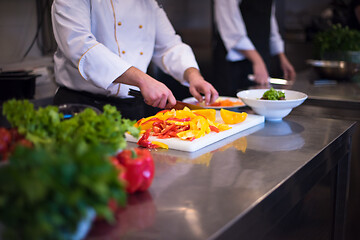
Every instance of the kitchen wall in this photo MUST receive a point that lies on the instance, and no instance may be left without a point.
(18, 21)
(18, 28)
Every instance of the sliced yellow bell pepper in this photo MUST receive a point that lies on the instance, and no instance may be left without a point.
(222, 127)
(160, 144)
(178, 122)
(187, 135)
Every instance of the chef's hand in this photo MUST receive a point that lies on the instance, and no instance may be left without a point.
(288, 69)
(155, 93)
(261, 75)
(199, 86)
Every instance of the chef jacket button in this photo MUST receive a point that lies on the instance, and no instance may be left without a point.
(123, 52)
(141, 53)
(140, 26)
(119, 23)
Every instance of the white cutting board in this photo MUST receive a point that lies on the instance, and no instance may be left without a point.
(191, 146)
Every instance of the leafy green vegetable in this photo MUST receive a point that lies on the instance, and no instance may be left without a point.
(45, 191)
(337, 38)
(272, 94)
(47, 125)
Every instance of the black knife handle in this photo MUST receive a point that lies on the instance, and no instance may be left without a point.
(135, 93)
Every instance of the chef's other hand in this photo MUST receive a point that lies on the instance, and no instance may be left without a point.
(288, 69)
(199, 86)
(261, 75)
(155, 93)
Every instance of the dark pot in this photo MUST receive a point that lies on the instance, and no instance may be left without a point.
(17, 84)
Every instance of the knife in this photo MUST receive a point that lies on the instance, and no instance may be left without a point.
(278, 81)
(178, 106)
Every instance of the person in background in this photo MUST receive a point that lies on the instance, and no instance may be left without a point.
(105, 47)
(246, 35)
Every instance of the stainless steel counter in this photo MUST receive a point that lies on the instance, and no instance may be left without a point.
(245, 187)
(328, 93)
(337, 100)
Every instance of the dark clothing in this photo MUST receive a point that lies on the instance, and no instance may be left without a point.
(256, 15)
(353, 22)
(130, 108)
(231, 77)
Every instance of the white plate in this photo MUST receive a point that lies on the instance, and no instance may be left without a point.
(193, 100)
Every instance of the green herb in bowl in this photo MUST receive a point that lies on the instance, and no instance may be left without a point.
(273, 94)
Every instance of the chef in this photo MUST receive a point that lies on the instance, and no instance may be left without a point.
(247, 35)
(105, 47)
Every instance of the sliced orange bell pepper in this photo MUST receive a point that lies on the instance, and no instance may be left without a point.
(207, 113)
(230, 117)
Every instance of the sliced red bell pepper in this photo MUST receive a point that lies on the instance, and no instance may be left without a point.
(139, 168)
(168, 128)
(151, 120)
(178, 119)
(214, 129)
(144, 142)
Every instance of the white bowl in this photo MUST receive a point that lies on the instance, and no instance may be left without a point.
(272, 110)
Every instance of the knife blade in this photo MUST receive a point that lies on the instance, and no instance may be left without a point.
(178, 106)
(278, 81)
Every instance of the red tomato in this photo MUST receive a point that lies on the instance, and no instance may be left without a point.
(5, 135)
(4, 148)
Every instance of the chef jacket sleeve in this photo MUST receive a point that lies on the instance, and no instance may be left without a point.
(276, 42)
(72, 31)
(170, 53)
(232, 28)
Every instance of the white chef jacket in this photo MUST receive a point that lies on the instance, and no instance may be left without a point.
(232, 30)
(98, 40)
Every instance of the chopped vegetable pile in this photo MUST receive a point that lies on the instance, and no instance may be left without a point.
(184, 124)
(273, 94)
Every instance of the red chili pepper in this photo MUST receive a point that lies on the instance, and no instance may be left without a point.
(139, 168)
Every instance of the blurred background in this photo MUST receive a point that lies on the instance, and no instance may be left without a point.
(27, 41)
